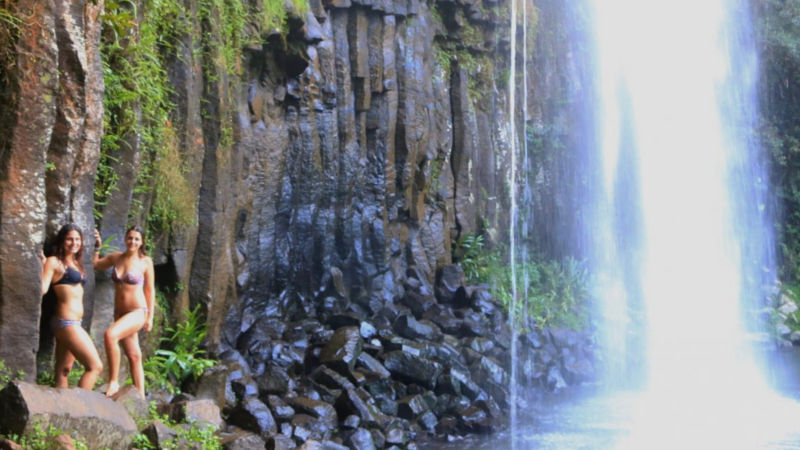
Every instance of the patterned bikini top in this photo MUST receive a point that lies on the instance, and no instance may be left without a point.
(127, 277)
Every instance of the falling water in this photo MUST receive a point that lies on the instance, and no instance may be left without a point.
(513, 222)
(680, 229)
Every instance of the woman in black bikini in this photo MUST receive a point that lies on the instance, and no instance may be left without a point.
(134, 297)
(72, 341)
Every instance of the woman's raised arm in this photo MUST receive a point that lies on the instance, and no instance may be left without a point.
(102, 263)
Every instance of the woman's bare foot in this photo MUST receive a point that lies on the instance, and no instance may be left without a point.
(113, 387)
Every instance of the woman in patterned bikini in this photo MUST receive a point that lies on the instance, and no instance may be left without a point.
(72, 341)
(134, 297)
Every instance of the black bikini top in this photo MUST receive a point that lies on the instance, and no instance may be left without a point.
(71, 276)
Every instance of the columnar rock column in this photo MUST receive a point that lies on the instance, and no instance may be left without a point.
(26, 128)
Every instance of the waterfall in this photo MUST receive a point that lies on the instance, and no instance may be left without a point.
(513, 385)
(680, 220)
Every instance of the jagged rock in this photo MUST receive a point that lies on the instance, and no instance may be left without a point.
(137, 407)
(279, 442)
(555, 381)
(486, 369)
(415, 369)
(341, 352)
(443, 316)
(483, 302)
(242, 440)
(443, 353)
(480, 345)
(159, 434)
(350, 403)
(447, 425)
(90, 416)
(408, 327)
(274, 380)
(215, 384)
(418, 303)
(281, 410)
(411, 407)
(312, 29)
(447, 384)
(491, 407)
(448, 279)
(305, 428)
(383, 393)
(312, 444)
(475, 419)
(373, 365)
(234, 362)
(468, 387)
(396, 434)
(352, 421)
(331, 378)
(428, 421)
(244, 387)
(322, 411)
(473, 325)
(253, 415)
(203, 411)
(360, 439)
(367, 330)
(450, 404)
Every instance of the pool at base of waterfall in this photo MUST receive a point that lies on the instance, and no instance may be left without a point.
(593, 418)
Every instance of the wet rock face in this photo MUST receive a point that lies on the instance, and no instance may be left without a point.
(52, 114)
(347, 180)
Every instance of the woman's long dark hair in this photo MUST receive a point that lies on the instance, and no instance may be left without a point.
(58, 245)
(138, 229)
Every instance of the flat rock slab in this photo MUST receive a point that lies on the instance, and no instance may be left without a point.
(85, 415)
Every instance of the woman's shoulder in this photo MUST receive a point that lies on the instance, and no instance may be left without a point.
(52, 261)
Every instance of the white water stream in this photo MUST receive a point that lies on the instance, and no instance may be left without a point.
(679, 230)
(679, 77)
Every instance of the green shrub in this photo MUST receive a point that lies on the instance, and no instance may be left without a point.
(181, 358)
(549, 293)
(195, 432)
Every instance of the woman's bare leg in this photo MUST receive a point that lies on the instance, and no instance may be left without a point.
(75, 343)
(64, 362)
(134, 353)
(123, 327)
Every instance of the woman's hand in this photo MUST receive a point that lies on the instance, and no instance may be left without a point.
(148, 324)
(97, 241)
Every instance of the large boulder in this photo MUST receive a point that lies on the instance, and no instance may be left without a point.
(89, 416)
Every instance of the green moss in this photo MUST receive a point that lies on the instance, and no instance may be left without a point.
(444, 58)
(135, 77)
(9, 32)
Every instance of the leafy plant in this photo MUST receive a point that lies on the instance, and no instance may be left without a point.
(182, 358)
(549, 293)
(7, 374)
(195, 432)
(43, 439)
